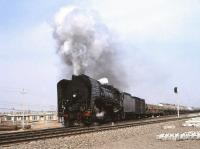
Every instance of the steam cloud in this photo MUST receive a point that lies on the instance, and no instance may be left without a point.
(86, 46)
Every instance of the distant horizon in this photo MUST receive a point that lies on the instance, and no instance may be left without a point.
(21, 111)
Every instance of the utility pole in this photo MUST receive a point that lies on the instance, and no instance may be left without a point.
(23, 92)
(13, 116)
(176, 93)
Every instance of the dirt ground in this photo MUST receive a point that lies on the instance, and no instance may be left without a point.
(145, 138)
(44, 125)
(39, 125)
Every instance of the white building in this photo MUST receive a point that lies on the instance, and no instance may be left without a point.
(29, 117)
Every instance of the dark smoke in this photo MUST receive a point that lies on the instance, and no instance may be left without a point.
(86, 46)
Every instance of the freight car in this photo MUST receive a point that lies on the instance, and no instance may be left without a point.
(84, 100)
(154, 110)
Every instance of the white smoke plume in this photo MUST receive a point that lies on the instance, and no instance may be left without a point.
(86, 46)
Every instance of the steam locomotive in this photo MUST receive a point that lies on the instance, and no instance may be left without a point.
(85, 100)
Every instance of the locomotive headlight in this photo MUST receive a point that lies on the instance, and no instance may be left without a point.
(74, 95)
(63, 107)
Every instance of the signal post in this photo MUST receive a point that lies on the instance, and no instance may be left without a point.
(176, 93)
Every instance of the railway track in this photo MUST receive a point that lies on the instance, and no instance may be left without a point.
(17, 137)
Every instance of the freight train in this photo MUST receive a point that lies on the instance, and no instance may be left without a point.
(84, 100)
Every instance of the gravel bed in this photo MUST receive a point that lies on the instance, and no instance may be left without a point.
(140, 137)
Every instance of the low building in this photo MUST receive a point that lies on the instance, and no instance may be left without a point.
(28, 117)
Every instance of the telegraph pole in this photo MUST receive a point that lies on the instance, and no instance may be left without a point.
(23, 92)
(176, 93)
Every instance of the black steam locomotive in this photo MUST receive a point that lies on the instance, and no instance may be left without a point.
(84, 100)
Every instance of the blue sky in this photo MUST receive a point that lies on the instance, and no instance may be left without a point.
(159, 46)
